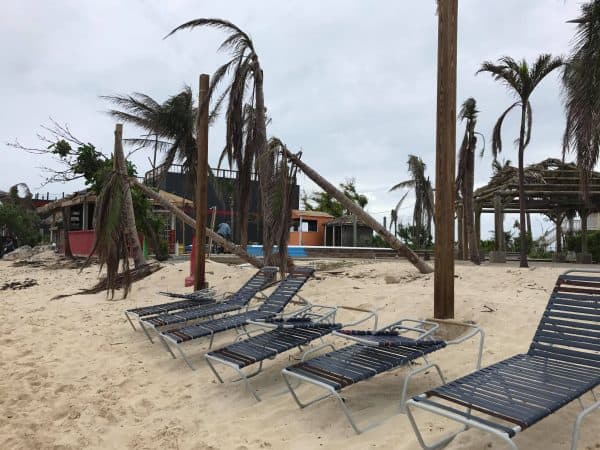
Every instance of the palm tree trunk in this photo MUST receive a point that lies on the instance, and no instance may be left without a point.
(265, 168)
(229, 246)
(472, 240)
(366, 218)
(121, 167)
(584, 242)
(522, 203)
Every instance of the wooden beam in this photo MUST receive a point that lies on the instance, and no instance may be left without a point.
(445, 150)
(201, 184)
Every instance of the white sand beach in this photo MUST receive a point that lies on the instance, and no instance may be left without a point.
(73, 374)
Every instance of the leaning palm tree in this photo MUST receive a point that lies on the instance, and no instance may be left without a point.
(245, 87)
(360, 213)
(116, 232)
(423, 209)
(521, 80)
(581, 78)
(465, 178)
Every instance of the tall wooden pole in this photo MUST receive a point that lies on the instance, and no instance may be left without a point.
(201, 184)
(445, 149)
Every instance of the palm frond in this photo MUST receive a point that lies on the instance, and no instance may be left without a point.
(497, 132)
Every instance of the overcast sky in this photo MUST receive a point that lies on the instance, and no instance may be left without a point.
(351, 83)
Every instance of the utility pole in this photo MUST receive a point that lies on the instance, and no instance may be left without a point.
(445, 149)
(201, 184)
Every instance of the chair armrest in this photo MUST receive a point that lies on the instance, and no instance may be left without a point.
(475, 329)
(419, 328)
(370, 314)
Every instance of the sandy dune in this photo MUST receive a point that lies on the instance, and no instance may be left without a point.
(73, 374)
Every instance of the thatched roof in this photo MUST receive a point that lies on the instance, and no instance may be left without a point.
(550, 185)
(346, 220)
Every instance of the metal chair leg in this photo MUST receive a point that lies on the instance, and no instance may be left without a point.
(580, 417)
(141, 322)
(130, 321)
(411, 374)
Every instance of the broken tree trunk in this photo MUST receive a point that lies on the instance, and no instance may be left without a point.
(365, 217)
(227, 245)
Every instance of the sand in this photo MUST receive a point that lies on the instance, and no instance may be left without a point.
(73, 374)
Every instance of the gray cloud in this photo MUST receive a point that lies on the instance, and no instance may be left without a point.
(352, 83)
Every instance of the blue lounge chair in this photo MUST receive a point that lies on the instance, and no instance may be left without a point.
(562, 364)
(372, 353)
(276, 336)
(200, 304)
(272, 306)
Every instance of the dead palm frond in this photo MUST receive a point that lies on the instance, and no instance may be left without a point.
(112, 243)
(581, 78)
(244, 87)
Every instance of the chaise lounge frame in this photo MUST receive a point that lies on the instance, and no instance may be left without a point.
(318, 313)
(565, 363)
(270, 311)
(424, 329)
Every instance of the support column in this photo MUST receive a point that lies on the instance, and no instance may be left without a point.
(445, 158)
(354, 231)
(461, 231)
(498, 256)
(478, 223)
(201, 184)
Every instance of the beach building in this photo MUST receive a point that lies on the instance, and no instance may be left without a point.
(308, 227)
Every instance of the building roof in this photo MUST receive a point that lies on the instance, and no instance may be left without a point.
(551, 186)
(347, 220)
(296, 213)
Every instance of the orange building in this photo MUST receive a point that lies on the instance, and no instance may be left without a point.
(308, 227)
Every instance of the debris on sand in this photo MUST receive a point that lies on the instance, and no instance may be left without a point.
(18, 285)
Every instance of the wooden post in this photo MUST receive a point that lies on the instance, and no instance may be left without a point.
(478, 227)
(445, 150)
(559, 221)
(498, 225)
(354, 231)
(213, 217)
(461, 230)
(201, 184)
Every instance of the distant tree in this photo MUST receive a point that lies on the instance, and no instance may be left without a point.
(423, 209)
(465, 178)
(581, 78)
(324, 202)
(521, 80)
(18, 218)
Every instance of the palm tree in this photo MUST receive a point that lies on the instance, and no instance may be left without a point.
(465, 178)
(360, 213)
(171, 126)
(245, 87)
(581, 77)
(423, 209)
(116, 232)
(521, 80)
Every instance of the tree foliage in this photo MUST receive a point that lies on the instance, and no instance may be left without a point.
(324, 202)
(18, 218)
(581, 78)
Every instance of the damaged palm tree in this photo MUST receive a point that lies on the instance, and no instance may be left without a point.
(245, 88)
(362, 215)
(465, 179)
(116, 233)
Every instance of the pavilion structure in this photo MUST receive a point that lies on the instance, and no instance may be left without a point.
(552, 188)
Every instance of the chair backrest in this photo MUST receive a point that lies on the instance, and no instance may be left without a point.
(287, 289)
(570, 327)
(260, 280)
